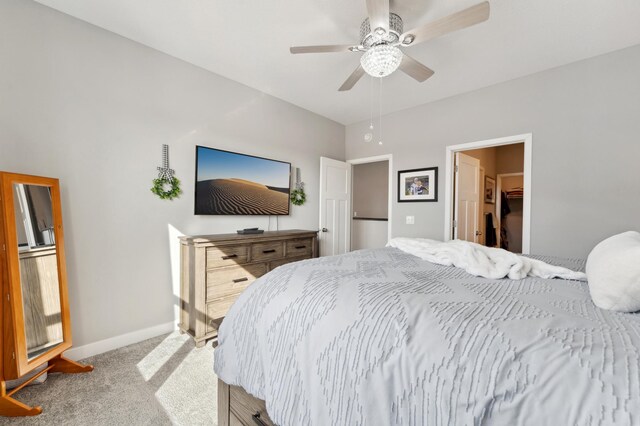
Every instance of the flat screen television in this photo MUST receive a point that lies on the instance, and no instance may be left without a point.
(228, 183)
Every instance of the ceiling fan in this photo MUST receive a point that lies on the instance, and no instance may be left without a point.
(381, 36)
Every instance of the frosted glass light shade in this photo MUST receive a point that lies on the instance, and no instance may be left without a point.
(381, 60)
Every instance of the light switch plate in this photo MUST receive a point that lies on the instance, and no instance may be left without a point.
(410, 220)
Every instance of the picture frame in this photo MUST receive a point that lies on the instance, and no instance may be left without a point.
(418, 185)
(489, 190)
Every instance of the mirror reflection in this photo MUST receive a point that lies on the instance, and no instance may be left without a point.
(38, 268)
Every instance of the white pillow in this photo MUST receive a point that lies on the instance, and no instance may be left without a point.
(613, 271)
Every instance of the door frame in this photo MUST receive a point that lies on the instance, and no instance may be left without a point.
(527, 139)
(499, 199)
(375, 159)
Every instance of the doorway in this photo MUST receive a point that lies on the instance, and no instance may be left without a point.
(510, 210)
(371, 202)
(342, 227)
(488, 193)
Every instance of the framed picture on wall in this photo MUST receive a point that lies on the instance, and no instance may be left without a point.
(489, 190)
(418, 185)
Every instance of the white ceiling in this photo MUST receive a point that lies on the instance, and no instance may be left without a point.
(248, 41)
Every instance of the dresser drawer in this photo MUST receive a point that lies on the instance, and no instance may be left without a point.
(244, 407)
(218, 309)
(299, 247)
(267, 251)
(226, 256)
(230, 280)
(234, 421)
(216, 269)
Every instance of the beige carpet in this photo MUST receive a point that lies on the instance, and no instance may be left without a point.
(161, 381)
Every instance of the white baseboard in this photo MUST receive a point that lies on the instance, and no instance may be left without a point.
(106, 345)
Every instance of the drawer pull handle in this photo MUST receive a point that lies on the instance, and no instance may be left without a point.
(231, 256)
(301, 247)
(239, 280)
(256, 418)
(269, 251)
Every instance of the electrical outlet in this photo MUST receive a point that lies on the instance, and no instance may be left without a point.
(411, 220)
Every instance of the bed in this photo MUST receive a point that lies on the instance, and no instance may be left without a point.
(381, 337)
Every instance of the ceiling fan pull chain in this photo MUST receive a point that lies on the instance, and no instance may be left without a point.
(370, 103)
(380, 110)
(368, 137)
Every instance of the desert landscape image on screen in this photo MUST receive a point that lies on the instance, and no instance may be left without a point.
(235, 184)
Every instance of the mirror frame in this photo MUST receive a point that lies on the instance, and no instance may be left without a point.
(13, 321)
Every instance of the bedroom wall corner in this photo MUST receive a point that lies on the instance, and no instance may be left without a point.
(93, 109)
(583, 120)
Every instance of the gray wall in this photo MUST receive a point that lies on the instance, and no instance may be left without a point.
(371, 189)
(370, 185)
(585, 126)
(94, 109)
(368, 234)
(510, 158)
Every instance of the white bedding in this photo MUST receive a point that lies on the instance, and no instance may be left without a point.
(381, 337)
(482, 261)
(613, 267)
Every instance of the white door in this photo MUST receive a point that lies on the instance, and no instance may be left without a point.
(467, 200)
(335, 199)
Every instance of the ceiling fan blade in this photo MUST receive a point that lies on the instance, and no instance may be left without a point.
(353, 79)
(415, 69)
(378, 11)
(457, 21)
(323, 49)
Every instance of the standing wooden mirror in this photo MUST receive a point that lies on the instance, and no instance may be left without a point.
(36, 327)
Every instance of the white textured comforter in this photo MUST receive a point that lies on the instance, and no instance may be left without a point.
(381, 337)
(483, 261)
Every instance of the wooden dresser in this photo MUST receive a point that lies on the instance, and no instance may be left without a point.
(215, 269)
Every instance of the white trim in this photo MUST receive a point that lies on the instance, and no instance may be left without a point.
(527, 139)
(106, 345)
(376, 159)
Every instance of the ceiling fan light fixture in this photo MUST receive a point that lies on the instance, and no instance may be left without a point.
(370, 37)
(381, 60)
(408, 39)
(381, 43)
